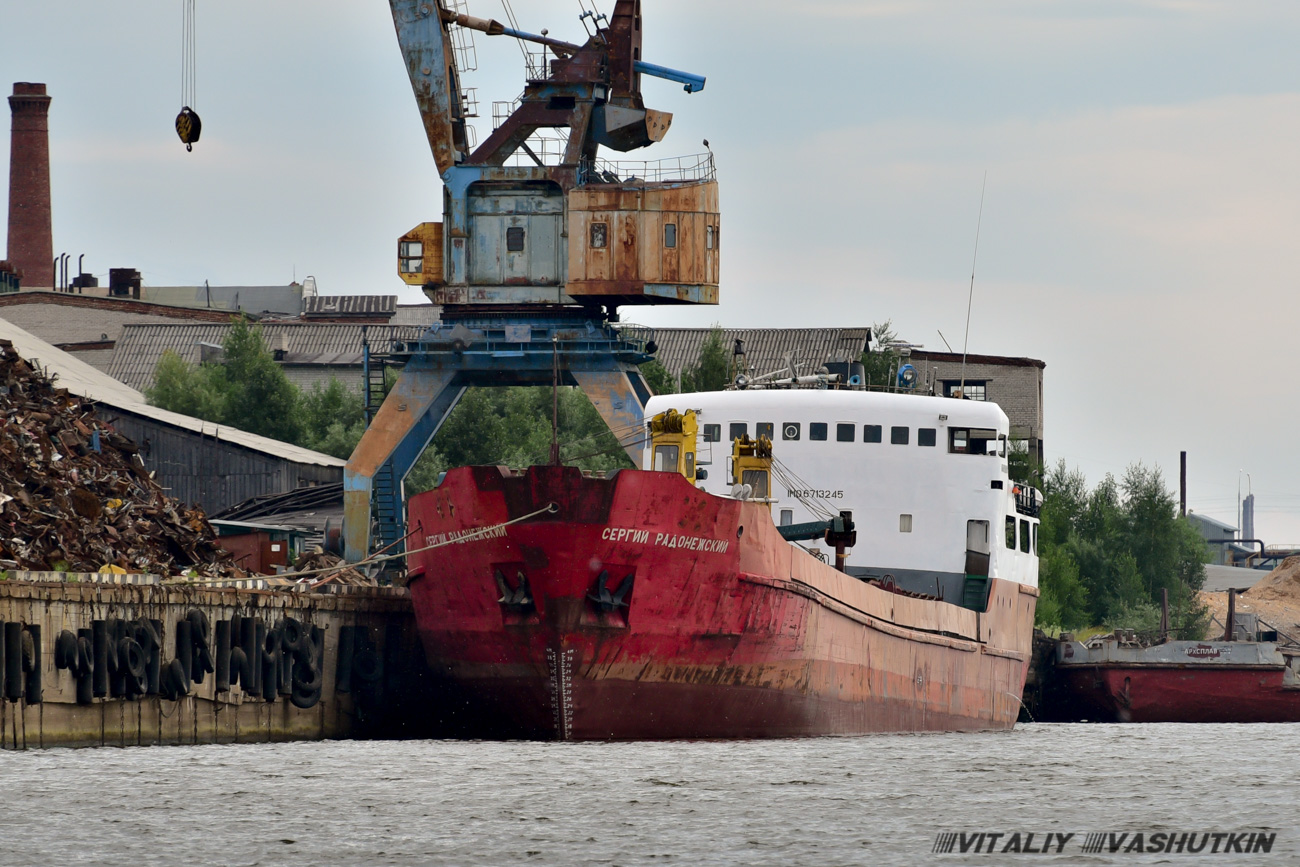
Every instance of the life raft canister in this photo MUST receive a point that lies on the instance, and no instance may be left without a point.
(188, 127)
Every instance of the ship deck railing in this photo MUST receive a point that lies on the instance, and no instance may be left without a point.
(1027, 502)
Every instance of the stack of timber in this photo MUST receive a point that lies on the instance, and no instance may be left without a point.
(321, 568)
(75, 496)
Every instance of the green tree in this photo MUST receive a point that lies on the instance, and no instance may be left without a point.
(246, 390)
(1107, 556)
(185, 388)
(879, 362)
(658, 378)
(712, 370)
(333, 419)
(1022, 466)
(259, 397)
(1063, 598)
(512, 426)
(427, 470)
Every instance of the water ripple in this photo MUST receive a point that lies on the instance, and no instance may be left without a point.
(877, 800)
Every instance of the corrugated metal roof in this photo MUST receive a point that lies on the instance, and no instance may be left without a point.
(764, 347)
(349, 305)
(72, 373)
(139, 348)
(416, 314)
(82, 379)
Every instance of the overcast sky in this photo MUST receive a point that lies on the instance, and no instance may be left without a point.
(1140, 224)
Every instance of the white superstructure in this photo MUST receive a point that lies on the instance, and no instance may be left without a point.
(925, 477)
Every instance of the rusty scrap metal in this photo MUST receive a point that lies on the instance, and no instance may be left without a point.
(75, 495)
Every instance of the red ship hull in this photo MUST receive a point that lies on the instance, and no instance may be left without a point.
(712, 626)
(1186, 694)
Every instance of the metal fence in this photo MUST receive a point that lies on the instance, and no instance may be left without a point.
(695, 167)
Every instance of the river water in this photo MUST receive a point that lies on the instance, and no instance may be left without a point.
(826, 801)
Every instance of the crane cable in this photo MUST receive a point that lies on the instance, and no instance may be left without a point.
(820, 508)
(188, 125)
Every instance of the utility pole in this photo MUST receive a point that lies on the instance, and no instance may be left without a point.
(1182, 484)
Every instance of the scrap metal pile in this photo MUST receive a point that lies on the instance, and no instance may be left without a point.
(74, 493)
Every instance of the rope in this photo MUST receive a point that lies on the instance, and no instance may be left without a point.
(549, 508)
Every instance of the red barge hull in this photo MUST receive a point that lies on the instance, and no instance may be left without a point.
(1178, 681)
(710, 624)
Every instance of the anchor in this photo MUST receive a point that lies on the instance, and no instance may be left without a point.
(604, 599)
(518, 597)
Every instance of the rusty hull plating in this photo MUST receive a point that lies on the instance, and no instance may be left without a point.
(645, 608)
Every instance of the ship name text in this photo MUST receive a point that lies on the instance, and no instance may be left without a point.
(665, 540)
(460, 537)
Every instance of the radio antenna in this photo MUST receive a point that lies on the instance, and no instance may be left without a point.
(971, 297)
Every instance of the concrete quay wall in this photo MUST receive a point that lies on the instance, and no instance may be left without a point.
(376, 696)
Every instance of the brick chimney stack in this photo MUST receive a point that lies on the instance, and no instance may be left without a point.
(31, 241)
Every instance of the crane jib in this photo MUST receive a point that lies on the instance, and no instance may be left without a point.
(693, 83)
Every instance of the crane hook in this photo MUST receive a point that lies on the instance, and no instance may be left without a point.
(188, 127)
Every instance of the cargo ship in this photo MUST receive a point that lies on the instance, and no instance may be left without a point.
(788, 562)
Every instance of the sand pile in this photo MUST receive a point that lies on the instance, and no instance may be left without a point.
(1275, 598)
(1282, 584)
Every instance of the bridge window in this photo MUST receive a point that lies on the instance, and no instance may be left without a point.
(844, 433)
(787, 517)
(757, 481)
(411, 256)
(708, 237)
(739, 429)
(974, 389)
(904, 523)
(599, 235)
(899, 436)
(790, 430)
(764, 429)
(1011, 533)
(712, 433)
(967, 441)
(665, 459)
(515, 239)
(1024, 535)
(670, 234)
(871, 433)
(925, 436)
(817, 431)
(1035, 539)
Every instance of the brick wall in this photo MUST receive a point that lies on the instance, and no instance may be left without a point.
(1015, 384)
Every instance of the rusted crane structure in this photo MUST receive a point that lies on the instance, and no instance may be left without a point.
(536, 250)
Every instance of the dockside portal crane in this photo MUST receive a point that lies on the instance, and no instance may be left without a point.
(532, 261)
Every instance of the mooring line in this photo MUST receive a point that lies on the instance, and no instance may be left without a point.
(549, 508)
